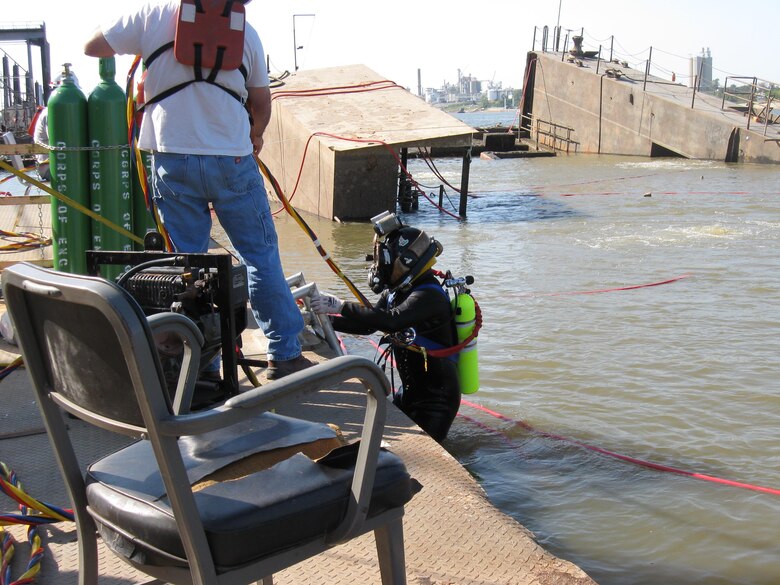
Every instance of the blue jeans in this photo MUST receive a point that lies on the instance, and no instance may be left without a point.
(183, 185)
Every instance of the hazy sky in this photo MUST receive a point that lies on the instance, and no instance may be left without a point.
(487, 40)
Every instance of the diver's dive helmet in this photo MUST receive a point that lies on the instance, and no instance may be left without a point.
(404, 255)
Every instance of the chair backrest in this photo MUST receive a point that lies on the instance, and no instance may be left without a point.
(87, 346)
(89, 349)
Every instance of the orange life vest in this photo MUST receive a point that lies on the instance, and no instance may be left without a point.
(209, 34)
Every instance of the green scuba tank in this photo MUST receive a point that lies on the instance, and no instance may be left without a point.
(464, 308)
(110, 169)
(67, 112)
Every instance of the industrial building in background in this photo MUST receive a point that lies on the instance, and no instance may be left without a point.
(21, 94)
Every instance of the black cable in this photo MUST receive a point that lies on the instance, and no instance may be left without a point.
(173, 260)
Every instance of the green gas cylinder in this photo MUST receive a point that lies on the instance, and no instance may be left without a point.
(110, 179)
(67, 112)
(465, 309)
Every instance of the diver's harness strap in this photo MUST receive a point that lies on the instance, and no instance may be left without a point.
(428, 347)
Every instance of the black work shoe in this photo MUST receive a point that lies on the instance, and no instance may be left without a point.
(280, 369)
(210, 376)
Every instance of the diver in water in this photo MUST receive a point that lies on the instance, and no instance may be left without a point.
(414, 311)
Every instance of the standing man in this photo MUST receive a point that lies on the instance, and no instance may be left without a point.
(198, 127)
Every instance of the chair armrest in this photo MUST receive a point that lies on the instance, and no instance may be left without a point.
(192, 340)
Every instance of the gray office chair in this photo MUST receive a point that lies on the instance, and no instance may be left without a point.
(90, 351)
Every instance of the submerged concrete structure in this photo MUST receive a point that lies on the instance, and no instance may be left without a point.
(337, 135)
(590, 106)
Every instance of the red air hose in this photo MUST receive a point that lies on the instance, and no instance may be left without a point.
(634, 460)
(606, 290)
(649, 464)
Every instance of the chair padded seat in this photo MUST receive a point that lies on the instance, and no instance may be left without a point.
(295, 501)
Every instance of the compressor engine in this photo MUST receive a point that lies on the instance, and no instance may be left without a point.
(193, 293)
(206, 288)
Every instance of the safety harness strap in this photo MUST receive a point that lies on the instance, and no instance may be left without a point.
(197, 66)
(228, 8)
(429, 285)
(217, 65)
(220, 56)
(151, 58)
(428, 346)
(425, 346)
(211, 79)
(432, 286)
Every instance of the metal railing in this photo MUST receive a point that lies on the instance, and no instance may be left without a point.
(17, 118)
(321, 324)
(555, 136)
(22, 25)
(18, 100)
(753, 97)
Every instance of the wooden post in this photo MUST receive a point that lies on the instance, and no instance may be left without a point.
(464, 182)
(750, 112)
(402, 173)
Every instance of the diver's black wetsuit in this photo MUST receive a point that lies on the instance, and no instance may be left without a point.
(430, 396)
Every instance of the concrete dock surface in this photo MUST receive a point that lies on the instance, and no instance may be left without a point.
(453, 534)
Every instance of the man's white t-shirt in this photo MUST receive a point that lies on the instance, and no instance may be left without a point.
(201, 118)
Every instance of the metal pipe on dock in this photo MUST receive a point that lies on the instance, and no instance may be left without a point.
(17, 86)
(6, 82)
